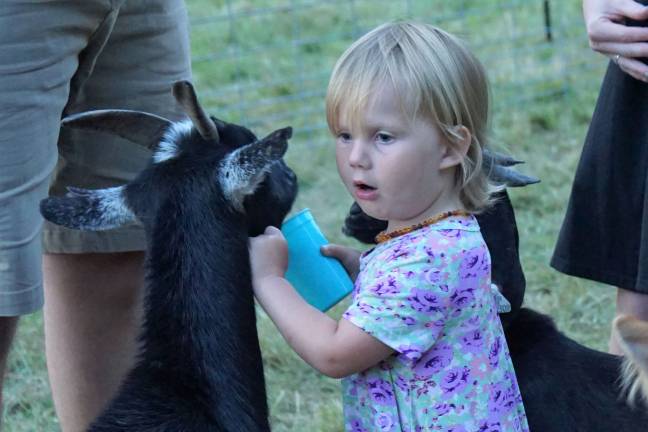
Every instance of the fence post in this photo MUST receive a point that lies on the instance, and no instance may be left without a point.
(547, 20)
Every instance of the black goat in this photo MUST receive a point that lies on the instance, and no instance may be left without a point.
(208, 187)
(565, 386)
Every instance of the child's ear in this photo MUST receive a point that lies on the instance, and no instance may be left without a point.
(456, 150)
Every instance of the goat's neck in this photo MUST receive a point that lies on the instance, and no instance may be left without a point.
(200, 318)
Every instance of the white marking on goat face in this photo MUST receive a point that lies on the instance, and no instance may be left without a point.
(168, 146)
(241, 172)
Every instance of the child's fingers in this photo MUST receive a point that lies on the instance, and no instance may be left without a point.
(337, 250)
(269, 238)
(271, 230)
(332, 250)
(347, 256)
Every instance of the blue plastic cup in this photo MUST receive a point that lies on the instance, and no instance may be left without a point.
(320, 280)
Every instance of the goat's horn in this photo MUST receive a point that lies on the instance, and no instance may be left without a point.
(136, 126)
(500, 159)
(186, 97)
(497, 166)
(509, 177)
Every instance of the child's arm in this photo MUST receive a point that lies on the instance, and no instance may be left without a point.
(336, 349)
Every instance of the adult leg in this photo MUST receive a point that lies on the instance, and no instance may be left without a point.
(94, 280)
(629, 303)
(92, 312)
(7, 331)
(34, 83)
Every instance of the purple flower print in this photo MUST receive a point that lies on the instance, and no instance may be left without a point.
(402, 384)
(409, 274)
(410, 352)
(381, 392)
(365, 308)
(501, 399)
(471, 323)
(433, 361)
(462, 222)
(442, 409)
(474, 263)
(489, 426)
(355, 425)
(437, 323)
(494, 352)
(455, 379)
(389, 286)
(450, 233)
(424, 388)
(399, 251)
(384, 421)
(424, 301)
(473, 341)
(408, 320)
(469, 264)
(458, 428)
(517, 425)
(462, 298)
(429, 251)
(433, 276)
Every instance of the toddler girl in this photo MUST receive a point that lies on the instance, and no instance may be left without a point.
(421, 346)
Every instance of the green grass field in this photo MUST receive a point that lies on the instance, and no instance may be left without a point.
(544, 95)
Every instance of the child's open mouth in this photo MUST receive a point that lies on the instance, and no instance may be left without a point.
(364, 191)
(365, 187)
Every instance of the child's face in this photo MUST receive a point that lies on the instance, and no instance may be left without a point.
(397, 170)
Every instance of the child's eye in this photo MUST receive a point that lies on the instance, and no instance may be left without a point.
(384, 138)
(344, 136)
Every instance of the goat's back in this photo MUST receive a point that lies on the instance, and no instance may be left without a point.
(567, 387)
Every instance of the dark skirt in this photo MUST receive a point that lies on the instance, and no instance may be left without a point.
(604, 236)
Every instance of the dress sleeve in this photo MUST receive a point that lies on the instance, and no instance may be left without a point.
(405, 307)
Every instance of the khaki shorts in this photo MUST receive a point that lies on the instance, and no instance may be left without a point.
(58, 58)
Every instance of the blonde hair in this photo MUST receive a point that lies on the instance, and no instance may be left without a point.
(436, 77)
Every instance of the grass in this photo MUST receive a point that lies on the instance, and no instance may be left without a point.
(265, 63)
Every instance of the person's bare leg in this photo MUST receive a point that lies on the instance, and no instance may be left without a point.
(629, 303)
(7, 331)
(92, 314)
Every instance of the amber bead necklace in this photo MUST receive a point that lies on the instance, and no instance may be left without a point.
(384, 236)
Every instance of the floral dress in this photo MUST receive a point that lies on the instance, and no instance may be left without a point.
(428, 295)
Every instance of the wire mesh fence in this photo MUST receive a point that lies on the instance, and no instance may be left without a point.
(266, 63)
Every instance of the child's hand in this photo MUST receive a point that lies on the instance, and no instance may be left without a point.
(349, 257)
(268, 254)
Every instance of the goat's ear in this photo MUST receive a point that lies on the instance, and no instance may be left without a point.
(632, 335)
(138, 127)
(498, 168)
(245, 168)
(88, 210)
(185, 94)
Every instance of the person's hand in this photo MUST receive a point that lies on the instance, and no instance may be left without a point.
(608, 34)
(349, 257)
(268, 255)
